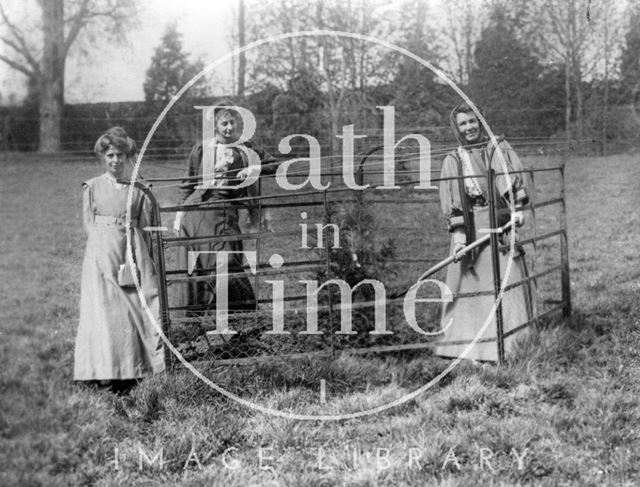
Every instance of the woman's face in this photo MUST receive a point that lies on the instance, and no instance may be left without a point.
(226, 128)
(114, 161)
(468, 126)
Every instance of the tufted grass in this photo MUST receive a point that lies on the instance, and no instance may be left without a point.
(562, 411)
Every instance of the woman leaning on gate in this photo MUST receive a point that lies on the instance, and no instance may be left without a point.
(465, 203)
(214, 189)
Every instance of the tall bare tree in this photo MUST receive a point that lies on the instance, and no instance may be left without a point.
(629, 59)
(62, 24)
(582, 37)
(341, 69)
(242, 59)
(563, 36)
(609, 25)
(463, 24)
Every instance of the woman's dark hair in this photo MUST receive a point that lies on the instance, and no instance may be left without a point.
(119, 139)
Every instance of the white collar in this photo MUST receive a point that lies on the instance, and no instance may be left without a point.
(113, 181)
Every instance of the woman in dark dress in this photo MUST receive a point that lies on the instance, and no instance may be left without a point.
(225, 167)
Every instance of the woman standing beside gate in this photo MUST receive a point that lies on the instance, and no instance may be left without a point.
(116, 342)
(464, 196)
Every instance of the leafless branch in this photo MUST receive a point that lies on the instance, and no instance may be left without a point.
(558, 29)
(17, 66)
(75, 26)
(19, 45)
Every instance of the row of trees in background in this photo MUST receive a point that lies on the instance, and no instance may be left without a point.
(557, 65)
(553, 66)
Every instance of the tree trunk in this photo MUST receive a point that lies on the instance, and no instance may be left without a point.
(605, 101)
(242, 60)
(576, 69)
(468, 48)
(52, 75)
(567, 99)
(577, 77)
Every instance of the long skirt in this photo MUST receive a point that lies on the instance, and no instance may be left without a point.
(219, 221)
(116, 337)
(469, 319)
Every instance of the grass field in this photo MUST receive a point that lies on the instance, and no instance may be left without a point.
(562, 411)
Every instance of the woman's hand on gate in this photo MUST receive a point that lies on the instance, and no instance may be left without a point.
(252, 170)
(459, 242)
(518, 218)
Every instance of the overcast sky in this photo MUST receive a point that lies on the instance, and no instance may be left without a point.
(205, 25)
(117, 73)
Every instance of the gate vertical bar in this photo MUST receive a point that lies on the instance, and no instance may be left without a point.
(327, 252)
(534, 243)
(256, 281)
(564, 251)
(495, 258)
(161, 271)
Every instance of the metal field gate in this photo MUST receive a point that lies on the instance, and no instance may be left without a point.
(329, 268)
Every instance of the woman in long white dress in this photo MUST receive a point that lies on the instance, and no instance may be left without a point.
(117, 342)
